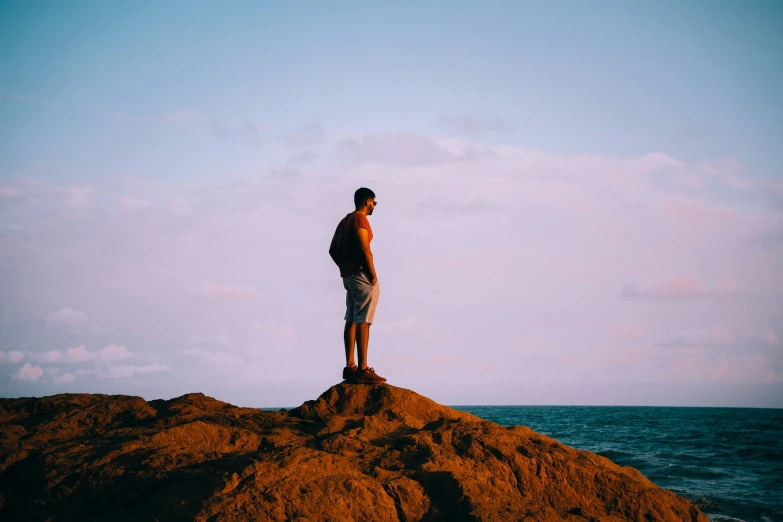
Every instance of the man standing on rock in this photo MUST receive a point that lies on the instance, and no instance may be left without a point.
(350, 250)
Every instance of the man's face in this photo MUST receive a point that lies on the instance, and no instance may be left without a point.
(371, 206)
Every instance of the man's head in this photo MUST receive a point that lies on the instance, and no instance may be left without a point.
(364, 199)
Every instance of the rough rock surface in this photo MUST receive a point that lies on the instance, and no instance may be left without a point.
(358, 452)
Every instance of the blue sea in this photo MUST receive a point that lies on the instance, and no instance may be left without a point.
(727, 461)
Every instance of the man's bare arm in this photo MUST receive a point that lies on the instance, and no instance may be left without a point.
(364, 245)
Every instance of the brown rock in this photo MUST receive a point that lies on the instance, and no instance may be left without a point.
(358, 452)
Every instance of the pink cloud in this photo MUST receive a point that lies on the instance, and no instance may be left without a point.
(701, 365)
(14, 356)
(769, 336)
(744, 368)
(627, 330)
(78, 354)
(9, 192)
(683, 287)
(545, 266)
(78, 195)
(730, 172)
(114, 352)
(698, 216)
(28, 372)
(713, 336)
(628, 353)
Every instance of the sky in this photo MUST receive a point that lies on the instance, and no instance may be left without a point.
(579, 203)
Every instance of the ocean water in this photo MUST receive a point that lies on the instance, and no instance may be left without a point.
(727, 461)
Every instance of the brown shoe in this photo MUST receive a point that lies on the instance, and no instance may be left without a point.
(368, 376)
(349, 373)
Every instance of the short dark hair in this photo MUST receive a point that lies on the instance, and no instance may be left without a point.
(362, 195)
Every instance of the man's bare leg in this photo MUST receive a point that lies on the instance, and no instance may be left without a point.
(362, 340)
(350, 338)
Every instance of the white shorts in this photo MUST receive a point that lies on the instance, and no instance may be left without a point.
(361, 298)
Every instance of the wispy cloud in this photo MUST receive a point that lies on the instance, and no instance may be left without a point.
(72, 320)
(526, 239)
(122, 371)
(13, 356)
(475, 126)
(308, 135)
(9, 192)
(685, 287)
(400, 150)
(111, 352)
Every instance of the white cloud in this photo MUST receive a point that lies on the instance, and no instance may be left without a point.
(49, 356)
(66, 377)
(78, 354)
(69, 319)
(111, 352)
(13, 356)
(538, 245)
(120, 371)
(28, 372)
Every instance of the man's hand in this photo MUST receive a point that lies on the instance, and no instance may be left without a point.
(364, 244)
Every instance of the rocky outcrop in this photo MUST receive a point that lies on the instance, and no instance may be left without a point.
(358, 452)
